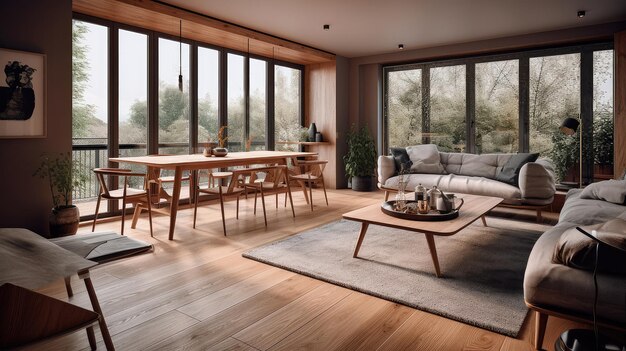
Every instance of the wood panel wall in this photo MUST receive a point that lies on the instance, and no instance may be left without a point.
(320, 106)
(620, 104)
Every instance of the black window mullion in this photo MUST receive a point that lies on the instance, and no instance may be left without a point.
(470, 107)
(223, 86)
(270, 128)
(246, 99)
(524, 95)
(153, 94)
(586, 114)
(193, 98)
(425, 98)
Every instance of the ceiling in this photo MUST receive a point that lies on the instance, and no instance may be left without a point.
(368, 27)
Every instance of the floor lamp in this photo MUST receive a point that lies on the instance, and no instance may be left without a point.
(569, 127)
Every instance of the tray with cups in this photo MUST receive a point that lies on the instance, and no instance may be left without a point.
(443, 208)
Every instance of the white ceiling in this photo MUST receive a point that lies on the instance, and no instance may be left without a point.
(368, 27)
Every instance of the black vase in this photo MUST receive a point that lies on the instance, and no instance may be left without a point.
(312, 131)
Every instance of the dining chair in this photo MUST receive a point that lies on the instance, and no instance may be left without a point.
(274, 182)
(161, 178)
(137, 197)
(234, 188)
(310, 172)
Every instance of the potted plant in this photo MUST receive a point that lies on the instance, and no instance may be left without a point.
(360, 160)
(63, 177)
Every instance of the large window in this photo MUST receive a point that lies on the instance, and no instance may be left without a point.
(127, 101)
(508, 103)
(173, 103)
(287, 106)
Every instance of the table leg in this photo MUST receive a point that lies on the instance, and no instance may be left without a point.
(178, 173)
(484, 220)
(433, 253)
(96, 308)
(364, 226)
(91, 337)
(68, 286)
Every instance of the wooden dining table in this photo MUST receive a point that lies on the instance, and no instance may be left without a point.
(181, 163)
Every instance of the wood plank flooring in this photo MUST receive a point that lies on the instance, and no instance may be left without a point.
(198, 293)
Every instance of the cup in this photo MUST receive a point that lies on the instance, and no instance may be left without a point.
(423, 206)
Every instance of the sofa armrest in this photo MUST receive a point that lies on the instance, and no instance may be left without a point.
(536, 181)
(386, 168)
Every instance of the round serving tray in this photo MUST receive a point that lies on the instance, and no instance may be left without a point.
(387, 208)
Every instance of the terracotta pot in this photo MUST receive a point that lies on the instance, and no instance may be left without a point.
(64, 221)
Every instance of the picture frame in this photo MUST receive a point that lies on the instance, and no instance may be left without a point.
(22, 94)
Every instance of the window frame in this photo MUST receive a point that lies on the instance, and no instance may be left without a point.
(523, 56)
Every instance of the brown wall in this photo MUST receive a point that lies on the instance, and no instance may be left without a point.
(620, 104)
(366, 72)
(44, 27)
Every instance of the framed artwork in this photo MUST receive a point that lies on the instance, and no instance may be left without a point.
(22, 94)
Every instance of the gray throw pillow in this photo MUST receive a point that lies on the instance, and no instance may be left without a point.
(510, 171)
(425, 158)
(576, 250)
(401, 159)
(607, 190)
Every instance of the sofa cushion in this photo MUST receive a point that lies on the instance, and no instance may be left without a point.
(510, 171)
(576, 250)
(425, 159)
(608, 190)
(486, 165)
(401, 159)
(427, 180)
(578, 211)
(478, 186)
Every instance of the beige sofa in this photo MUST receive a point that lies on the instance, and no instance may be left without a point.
(552, 288)
(476, 174)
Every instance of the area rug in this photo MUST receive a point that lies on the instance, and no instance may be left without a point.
(482, 267)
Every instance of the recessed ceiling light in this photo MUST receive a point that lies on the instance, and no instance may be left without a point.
(581, 14)
(326, 27)
(400, 46)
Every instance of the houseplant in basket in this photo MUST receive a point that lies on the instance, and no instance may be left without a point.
(63, 175)
(360, 160)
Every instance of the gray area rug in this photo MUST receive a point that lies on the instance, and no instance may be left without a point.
(482, 267)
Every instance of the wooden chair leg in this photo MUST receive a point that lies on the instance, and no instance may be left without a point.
(222, 208)
(195, 208)
(263, 203)
(276, 200)
(310, 193)
(303, 186)
(255, 196)
(136, 214)
(541, 320)
(68, 286)
(386, 195)
(93, 227)
(324, 187)
(123, 213)
(237, 216)
(91, 337)
(285, 200)
(150, 214)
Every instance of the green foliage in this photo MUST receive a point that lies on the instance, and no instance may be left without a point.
(63, 174)
(603, 140)
(82, 113)
(361, 157)
(564, 153)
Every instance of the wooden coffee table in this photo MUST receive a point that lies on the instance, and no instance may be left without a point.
(474, 207)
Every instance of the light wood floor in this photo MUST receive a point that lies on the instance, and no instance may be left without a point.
(197, 292)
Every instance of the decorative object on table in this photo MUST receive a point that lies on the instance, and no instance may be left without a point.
(585, 339)
(400, 203)
(360, 160)
(221, 150)
(64, 176)
(410, 210)
(447, 203)
(23, 100)
(318, 137)
(420, 192)
(207, 151)
(249, 143)
(569, 127)
(433, 194)
(312, 132)
(423, 206)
